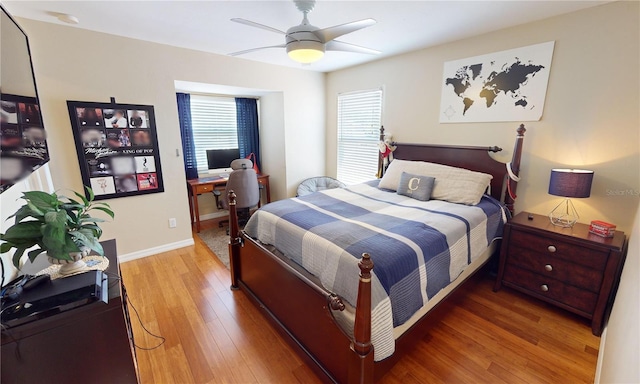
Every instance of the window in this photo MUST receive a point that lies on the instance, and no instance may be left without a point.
(359, 120)
(214, 126)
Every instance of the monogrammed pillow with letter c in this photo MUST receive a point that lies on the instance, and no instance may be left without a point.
(415, 186)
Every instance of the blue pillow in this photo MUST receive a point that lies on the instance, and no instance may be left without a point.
(416, 186)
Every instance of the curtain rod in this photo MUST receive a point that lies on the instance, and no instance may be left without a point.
(219, 95)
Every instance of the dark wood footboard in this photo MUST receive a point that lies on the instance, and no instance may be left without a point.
(301, 310)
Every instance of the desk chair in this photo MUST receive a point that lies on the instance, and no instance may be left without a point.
(244, 182)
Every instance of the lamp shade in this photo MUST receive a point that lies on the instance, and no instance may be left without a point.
(570, 182)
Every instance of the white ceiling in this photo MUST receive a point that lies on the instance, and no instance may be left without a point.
(204, 25)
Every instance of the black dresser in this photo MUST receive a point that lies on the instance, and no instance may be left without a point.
(92, 343)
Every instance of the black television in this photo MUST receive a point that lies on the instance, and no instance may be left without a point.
(23, 145)
(221, 158)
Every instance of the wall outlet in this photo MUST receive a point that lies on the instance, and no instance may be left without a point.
(172, 223)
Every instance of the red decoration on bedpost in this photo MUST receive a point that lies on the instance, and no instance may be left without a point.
(234, 240)
(380, 157)
(361, 360)
(514, 167)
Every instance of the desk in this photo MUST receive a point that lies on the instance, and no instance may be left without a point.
(208, 184)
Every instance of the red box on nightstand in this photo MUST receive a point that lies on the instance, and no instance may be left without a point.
(602, 228)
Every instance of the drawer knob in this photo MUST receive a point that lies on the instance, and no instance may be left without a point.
(544, 287)
(548, 268)
(551, 248)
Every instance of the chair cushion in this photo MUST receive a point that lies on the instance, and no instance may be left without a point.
(319, 183)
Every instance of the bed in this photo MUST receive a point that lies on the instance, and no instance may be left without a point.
(299, 261)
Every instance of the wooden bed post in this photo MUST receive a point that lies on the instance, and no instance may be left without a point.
(513, 168)
(361, 357)
(380, 159)
(234, 241)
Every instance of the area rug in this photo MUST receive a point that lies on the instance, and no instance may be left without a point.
(218, 242)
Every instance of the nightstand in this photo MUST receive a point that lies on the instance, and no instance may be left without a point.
(567, 267)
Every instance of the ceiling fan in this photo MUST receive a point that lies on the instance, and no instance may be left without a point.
(306, 43)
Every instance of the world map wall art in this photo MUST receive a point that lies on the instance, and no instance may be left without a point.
(502, 86)
(117, 148)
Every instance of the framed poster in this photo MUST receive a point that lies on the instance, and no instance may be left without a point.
(23, 142)
(117, 148)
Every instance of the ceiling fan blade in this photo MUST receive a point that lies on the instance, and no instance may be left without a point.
(257, 25)
(334, 45)
(256, 49)
(328, 34)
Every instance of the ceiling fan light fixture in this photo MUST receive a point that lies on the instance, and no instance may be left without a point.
(305, 52)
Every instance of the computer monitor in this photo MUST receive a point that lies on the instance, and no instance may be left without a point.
(219, 160)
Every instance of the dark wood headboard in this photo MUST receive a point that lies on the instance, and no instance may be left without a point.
(472, 158)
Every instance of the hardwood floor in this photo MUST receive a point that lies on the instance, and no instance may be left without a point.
(214, 335)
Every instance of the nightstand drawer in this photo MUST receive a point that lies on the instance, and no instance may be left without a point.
(551, 289)
(553, 247)
(550, 266)
(204, 188)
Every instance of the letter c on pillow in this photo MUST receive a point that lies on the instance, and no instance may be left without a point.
(411, 186)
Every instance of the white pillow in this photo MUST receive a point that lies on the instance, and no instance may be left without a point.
(455, 185)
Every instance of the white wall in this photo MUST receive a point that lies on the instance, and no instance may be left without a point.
(75, 64)
(619, 357)
(590, 120)
(272, 145)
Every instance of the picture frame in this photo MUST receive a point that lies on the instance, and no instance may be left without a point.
(117, 148)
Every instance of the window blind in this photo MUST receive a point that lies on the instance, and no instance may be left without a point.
(214, 126)
(359, 120)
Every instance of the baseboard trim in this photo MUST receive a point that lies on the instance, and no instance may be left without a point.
(214, 215)
(155, 250)
(603, 340)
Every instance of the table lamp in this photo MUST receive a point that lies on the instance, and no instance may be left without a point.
(568, 183)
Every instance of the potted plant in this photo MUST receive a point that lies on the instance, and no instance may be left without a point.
(58, 225)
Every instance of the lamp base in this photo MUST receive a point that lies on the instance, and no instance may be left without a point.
(564, 214)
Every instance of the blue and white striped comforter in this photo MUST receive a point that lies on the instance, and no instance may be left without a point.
(417, 247)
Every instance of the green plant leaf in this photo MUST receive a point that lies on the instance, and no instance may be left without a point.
(90, 192)
(59, 217)
(84, 199)
(24, 230)
(72, 201)
(79, 237)
(22, 213)
(40, 199)
(75, 206)
(94, 244)
(34, 253)
(89, 219)
(105, 210)
(91, 226)
(72, 217)
(91, 233)
(17, 256)
(70, 246)
(97, 231)
(21, 243)
(53, 237)
(37, 211)
(5, 247)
